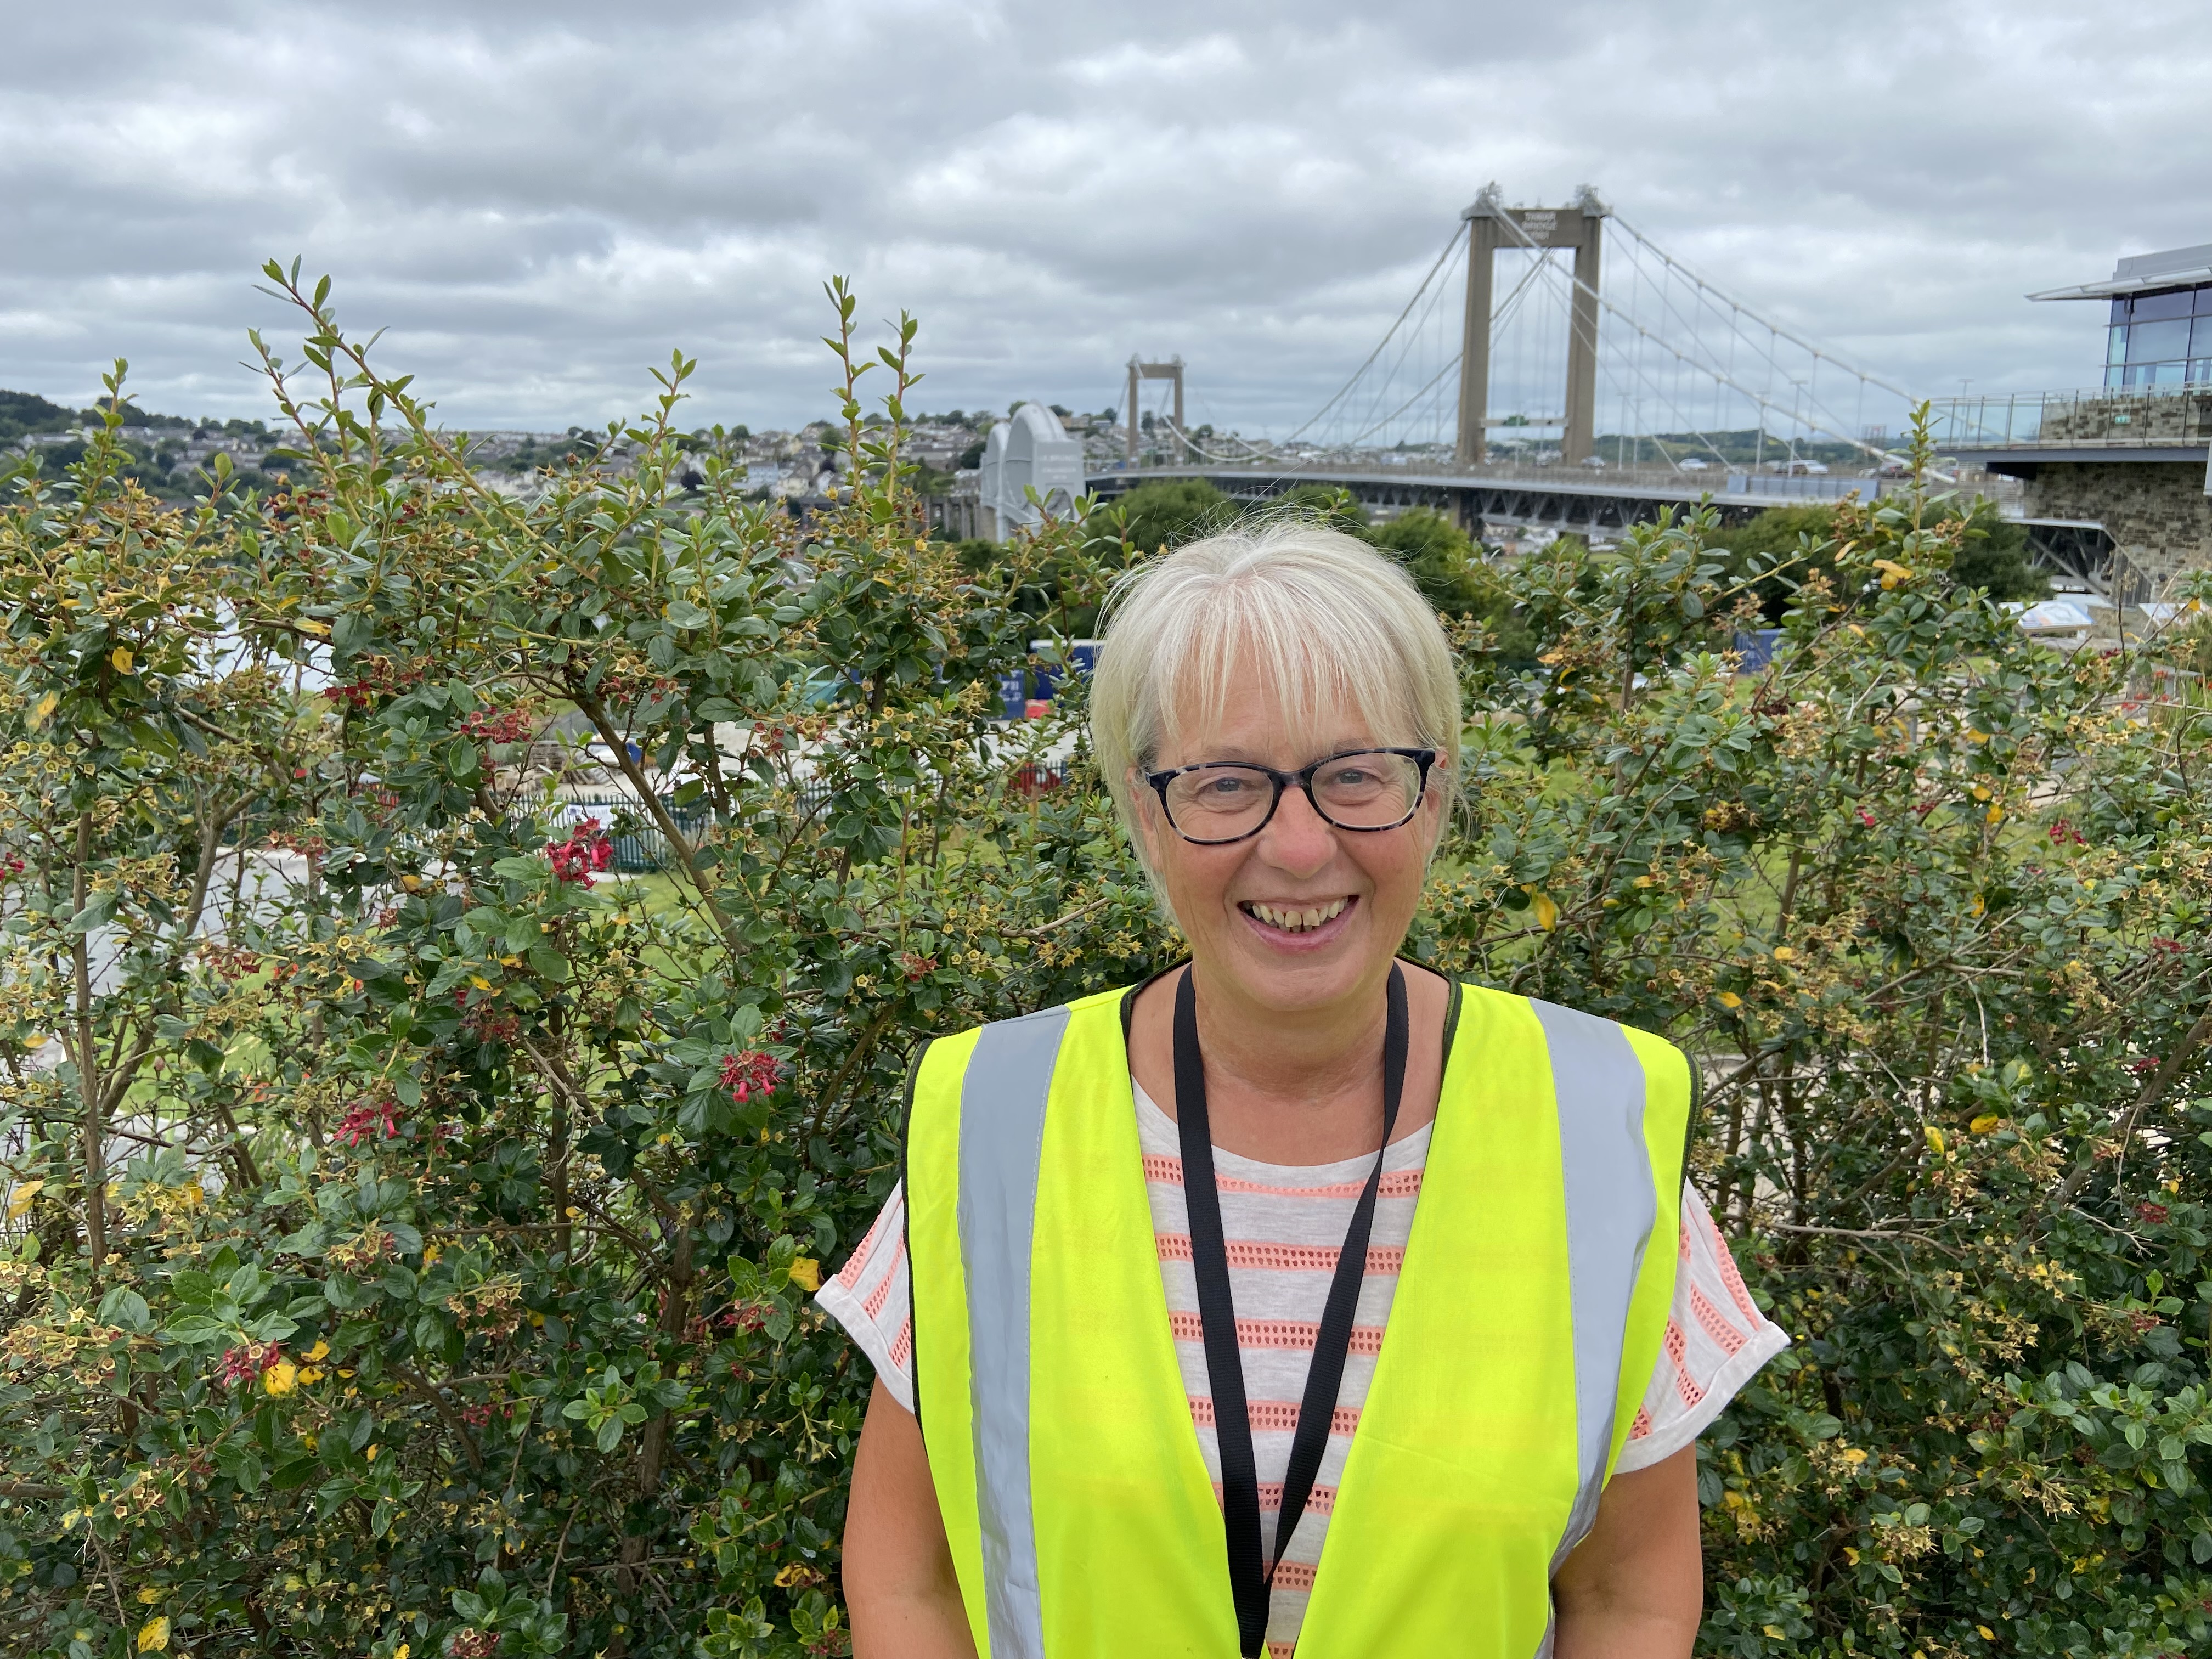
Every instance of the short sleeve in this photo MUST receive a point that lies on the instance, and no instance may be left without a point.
(872, 1297)
(1717, 1340)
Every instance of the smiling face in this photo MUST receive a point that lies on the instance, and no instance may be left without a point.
(1304, 916)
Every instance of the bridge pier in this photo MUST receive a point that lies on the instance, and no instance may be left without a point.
(1491, 225)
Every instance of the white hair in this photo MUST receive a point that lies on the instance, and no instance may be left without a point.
(1323, 618)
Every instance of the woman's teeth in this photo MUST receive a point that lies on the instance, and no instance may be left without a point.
(1298, 921)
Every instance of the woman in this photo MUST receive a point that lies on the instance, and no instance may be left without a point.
(1297, 1227)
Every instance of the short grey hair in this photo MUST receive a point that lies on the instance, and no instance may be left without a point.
(1324, 619)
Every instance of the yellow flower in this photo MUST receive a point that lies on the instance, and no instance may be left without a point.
(281, 1378)
(1984, 1123)
(1996, 814)
(154, 1637)
(1729, 1000)
(806, 1272)
(1854, 1456)
(431, 1254)
(320, 1351)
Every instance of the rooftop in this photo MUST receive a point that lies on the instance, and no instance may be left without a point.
(2140, 273)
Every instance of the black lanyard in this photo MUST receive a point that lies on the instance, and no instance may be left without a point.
(1251, 1573)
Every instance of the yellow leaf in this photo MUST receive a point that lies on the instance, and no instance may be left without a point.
(21, 1199)
(806, 1272)
(1977, 906)
(310, 1374)
(1985, 1633)
(154, 1635)
(121, 657)
(1776, 1632)
(1981, 791)
(1996, 814)
(1936, 1140)
(1851, 1554)
(1729, 1000)
(280, 1379)
(148, 1595)
(1548, 912)
(1854, 1456)
(309, 625)
(45, 706)
(1784, 953)
(480, 982)
(370, 1454)
(1984, 1123)
(320, 1351)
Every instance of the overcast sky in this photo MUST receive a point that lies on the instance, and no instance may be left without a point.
(539, 201)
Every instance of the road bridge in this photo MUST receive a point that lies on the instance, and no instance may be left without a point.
(1493, 503)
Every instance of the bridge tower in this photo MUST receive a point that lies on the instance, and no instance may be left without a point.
(1491, 225)
(1171, 371)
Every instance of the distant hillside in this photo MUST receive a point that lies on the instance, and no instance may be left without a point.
(22, 413)
(26, 414)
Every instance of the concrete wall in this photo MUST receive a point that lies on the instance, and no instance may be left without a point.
(2157, 513)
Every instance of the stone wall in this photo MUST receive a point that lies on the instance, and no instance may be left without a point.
(2157, 513)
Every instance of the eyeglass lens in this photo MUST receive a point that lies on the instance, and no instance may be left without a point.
(1371, 790)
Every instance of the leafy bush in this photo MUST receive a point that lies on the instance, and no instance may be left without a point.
(410, 1214)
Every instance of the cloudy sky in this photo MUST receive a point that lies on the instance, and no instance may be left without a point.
(539, 201)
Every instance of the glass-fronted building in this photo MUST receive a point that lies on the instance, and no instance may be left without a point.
(2160, 332)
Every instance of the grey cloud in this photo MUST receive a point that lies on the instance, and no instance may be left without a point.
(540, 200)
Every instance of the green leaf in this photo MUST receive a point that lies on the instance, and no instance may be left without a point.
(550, 963)
(193, 1328)
(610, 1433)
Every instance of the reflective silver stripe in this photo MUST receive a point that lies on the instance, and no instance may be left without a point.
(1611, 1208)
(1002, 1100)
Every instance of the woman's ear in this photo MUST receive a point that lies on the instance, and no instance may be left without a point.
(1146, 810)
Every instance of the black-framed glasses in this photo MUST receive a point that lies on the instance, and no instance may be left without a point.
(1216, 802)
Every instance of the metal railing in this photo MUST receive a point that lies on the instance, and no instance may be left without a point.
(2111, 417)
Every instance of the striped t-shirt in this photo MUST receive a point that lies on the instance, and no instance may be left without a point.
(1283, 1226)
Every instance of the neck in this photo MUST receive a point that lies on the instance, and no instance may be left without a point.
(1303, 1088)
(1319, 1060)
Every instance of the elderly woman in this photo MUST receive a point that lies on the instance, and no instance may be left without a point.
(1297, 1297)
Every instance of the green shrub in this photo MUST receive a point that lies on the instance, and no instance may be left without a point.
(408, 1248)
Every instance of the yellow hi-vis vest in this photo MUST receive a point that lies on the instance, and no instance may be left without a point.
(1528, 1317)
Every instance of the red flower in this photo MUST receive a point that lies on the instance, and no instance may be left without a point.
(751, 1073)
(365, 1120)
(585, 852)
(2154, 1213)
(244, 1364)
(497, 725)
(2144, 1067)
(2061, 831)
(2166, 947)
(913, 966)
(1866, 817)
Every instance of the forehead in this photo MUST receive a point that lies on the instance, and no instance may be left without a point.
(1252, 719)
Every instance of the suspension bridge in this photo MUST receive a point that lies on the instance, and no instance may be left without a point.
(1555, 367)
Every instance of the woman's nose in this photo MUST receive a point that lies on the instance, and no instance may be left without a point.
(1297, 840)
